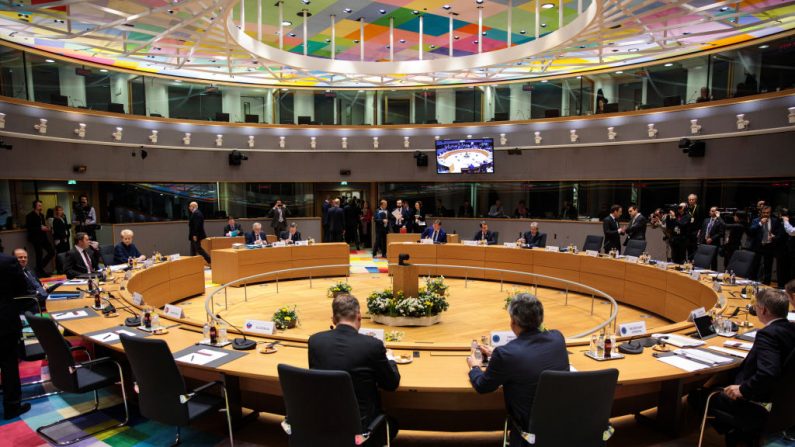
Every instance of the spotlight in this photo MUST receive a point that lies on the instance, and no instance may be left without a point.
(422, 159)
(695, 128)
(573, 136)
(537, 136)
(742, 123)
(2, 120)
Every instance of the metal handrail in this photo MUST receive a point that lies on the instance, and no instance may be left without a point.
(209, 302)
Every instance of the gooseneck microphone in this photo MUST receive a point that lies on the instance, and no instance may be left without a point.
(239, 344)
(133, 321)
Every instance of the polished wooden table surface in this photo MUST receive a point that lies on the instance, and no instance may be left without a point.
(435, 392)
(231, 264)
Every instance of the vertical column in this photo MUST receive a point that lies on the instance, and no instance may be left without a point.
(119, 90)
(450, 39)
(304, 103)
(510, 23)
(520, 103)
(230, 103)
(259, 20)
(369, 107)
(421, 38)
(445, 105)
(361, 39)
(156, 92)
(306, 37)
(281, 25)
(391, 39)
(644, 92)
(268, 113)
(538, 18)
(72, 85)
(480, 28)
(333, 36)
(488, 102)
(565, 98)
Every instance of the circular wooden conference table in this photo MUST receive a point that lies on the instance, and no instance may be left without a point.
(434, 392)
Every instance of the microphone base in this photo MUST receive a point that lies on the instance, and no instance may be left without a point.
(132, 322)
(240, 344)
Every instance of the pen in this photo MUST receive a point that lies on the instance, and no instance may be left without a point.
(191, 358)
(107, 336)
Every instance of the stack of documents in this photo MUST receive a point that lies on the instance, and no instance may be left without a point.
(680, 341)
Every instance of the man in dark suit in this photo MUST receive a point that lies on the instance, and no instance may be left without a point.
(256, 236)
(232, 228)
(711, 233)
(435, 233)
(38, 236)
(676, 224)
(13, 281)
(324, 217)
(352, 214)
(636, 229)
(381, 225)
(534, 238)
(336, 222)
(518, 365)
(766, 234)
(83, 258)
(292, 235)
(196, 232)
(485, 235)
(34, 286)
(696, 213)
(739, 407)
(611, 229)
(399, 217)
(278, 215)
(363, 357)
(466, 210)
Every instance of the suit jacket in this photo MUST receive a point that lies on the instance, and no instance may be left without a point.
(636, 230)
(228, 229)
(755, 233)
(696, 217)
(489, 237)
(274, 215)
(14, 285)
(251, 237)
(715, 233)
(74, 265)
(612, 237)
(539, 240)
(378, 220)
(33, 223)
(121, 253)
(285, 236)
(764, 363)
(352, 214)
(336, 219)
(517, 367)
(363, 357)
(407, 222)
(196, 226)
(441, 237)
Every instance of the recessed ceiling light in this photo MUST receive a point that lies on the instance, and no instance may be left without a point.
(724, 9)
(49, 61)
(475, 42)
(544, 81)
(287, 23)
(433, 47)
(103, 70)
(547, 6)
(484, 33)
(328, 40)
(291, 34)
(447, 7)
(479, 2)
(348, 10)
(632, 50)
(579, 77)
(619, 72)
(402, 40)
(669, 65)
(456, 37)
(543, 25)
(523, 32)
(765, 46)
(306, 2)
(415, 12)
(355, 40)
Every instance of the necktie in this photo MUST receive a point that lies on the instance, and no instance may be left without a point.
(434, 235)
(88, 262)
(709, 226)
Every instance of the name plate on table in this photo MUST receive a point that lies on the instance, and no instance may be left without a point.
(174, 257)
(259, 327)
(552, 248)
(174, 311)
(632, 259)
(427, 240)
(500, 338)
(127, 275)
(377, 333)
(633, 328)
(278, 244)
(138, 299)
(717, 287)
(301, 243)
(471, 243)
(148, 263)
(592, 253)
(695, 313)
(510, 244)
(721, 299)
(695, 274)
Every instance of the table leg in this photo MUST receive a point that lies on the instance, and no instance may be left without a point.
(232, 384)
(669, 408)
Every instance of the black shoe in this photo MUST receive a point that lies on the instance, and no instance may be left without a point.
(15, 410)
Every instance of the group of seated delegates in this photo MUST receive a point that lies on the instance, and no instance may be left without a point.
(258, 237)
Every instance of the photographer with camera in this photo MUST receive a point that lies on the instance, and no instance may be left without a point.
(85, 217)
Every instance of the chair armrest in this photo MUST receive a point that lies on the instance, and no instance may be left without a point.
(31, 298)
(375, 423)
(184, 398)
(89, 363)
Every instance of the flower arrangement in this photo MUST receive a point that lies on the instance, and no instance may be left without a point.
(436, 285)
(393, 336)
(340, 287)
(285, 317)
(511, 295)
(431, 301)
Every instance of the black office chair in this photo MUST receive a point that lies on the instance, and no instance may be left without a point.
(496, 237)
(60, 262)
(705, 255)
(741, 263)
(162, 394)
(543, 241)
(593, 242)
(559, 401)
(781, 411)
(322, 409)
(106, 253)
(635, 248)
(73, 377)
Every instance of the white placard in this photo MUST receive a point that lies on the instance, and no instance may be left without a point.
(259, 326)
(148, 263)
(695, 313)
(69, 315)
(695, 274)
(301, 243)
(721, 300)
(510, 244)
(174, 311)
(138, 299)
(716, 286)
(202, 356)
(427, 240)
(469, 242)
(500, 338)
(174, 257)
(552, 248)
(370, 332)
(632, 259)
(592, 253)
(633, 328)
(278, 244)
(791, 316)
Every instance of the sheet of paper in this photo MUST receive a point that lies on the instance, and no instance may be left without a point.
(738, 345)
(791, 316)
(682, 363)
(733, 352)
(680, 341)
(69, 315)
(202, 357)
(112, 336)
(702, 356)
(751, 334)
(76, 282)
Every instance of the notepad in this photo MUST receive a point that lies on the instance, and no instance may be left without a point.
(703, 356)
(680, 341)
(76, 282)
(682, 363)
(734, 352)
(69, 315)
(201, 357)
(738, 345)
(112, 336)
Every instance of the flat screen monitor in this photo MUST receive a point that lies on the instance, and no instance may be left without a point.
(474, 156)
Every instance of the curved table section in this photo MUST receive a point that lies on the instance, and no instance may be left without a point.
(169, 282)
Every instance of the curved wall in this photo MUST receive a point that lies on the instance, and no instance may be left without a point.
(764, 150)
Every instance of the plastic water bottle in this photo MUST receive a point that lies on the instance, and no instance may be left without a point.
(206, 331)
(476, 354)
(732, 278)
(600, 346)
(222, 333)
(594, 342)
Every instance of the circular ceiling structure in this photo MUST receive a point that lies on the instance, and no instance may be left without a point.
(387, 43)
